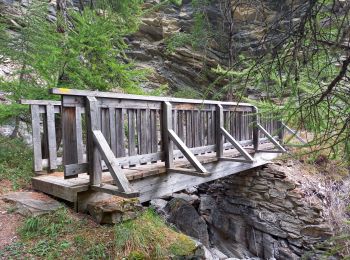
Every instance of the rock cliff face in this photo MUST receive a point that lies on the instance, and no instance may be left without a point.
(260, 214)
(263, 213)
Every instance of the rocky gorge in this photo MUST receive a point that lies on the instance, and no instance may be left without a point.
(266, 213)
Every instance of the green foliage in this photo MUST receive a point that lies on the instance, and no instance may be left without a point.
(148, 237)
(199, 36)
(89, 54)
(15, 162)
(176, 2)
(187, 92)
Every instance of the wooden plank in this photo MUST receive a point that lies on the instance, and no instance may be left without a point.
(209, 129)
(195, 128)
(99, 94)
(51, 136)
(131, 132)
(112, 130)
(79, 133)
(154, 132)
(189, 128)
(143, 132)
(167, 142)
(40, 102)
(138, 130)
(94, 158)
(272, 139)
(293, 132)
(201, 128)
(111, 162)
(166, 184)
(120, 132)
(70, 153)
(255, 128)
(113, 190)
(188, 172)
(36, 138)
(236, 144)
(186, 152)
(219, 137)
(180, 125)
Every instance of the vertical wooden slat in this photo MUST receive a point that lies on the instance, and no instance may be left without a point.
(113, 130)
(219, 136)
(70, 153)
(94, 157)
(255, 128)
(213, 126)
(175, 121)
(180, 125)
(119, 118)
(188, 128)
(131, 131)
(167, 142)
(51, 136)
(138, 130)
(36, 138)
(154, 136)
(201, 128)
(144, 132)
(79, 132)
(209, 128)
(195, 128)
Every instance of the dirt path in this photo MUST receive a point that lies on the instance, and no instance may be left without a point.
(9, 222)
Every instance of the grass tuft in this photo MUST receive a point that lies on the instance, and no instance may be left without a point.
(149, 237)
(15, 162)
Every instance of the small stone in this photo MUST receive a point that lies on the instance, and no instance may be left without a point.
(189, 198)
(158, 205)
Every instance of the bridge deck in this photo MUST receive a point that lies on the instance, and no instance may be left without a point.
(152, 180)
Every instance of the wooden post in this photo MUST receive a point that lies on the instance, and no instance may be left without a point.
(69, 131)
(255, 128)
(36, 138)
(280, 129)
(51, 135)
(94, 158)
(167, 142)
(219, 136)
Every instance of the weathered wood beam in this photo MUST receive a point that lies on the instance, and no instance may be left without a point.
(168, 147)
(236, 144)
(272, 140)
(186, 152)
(51, 136)
(294, 133)
(219, 136)
(93, 155)
(98, 94)
(111, 162)
(188, 172)
(114, 190)
(36, 138)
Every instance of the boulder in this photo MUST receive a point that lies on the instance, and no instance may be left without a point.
(114, 210)
(185, 217)
(31, 203)
(158, 205)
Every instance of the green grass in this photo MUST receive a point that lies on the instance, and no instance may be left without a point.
(148, 237)
(63, 235)
(15, 162)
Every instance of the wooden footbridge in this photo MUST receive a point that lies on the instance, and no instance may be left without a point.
(143, 146)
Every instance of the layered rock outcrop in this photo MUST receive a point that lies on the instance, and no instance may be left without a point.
(263, 213)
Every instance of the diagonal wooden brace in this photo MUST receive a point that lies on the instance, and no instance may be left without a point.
(111, 162)
(171, 137)
(247, 157)
(272, 140)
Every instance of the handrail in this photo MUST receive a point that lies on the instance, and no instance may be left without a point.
(100, 94)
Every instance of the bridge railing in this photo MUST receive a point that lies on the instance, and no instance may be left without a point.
(103, 130)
